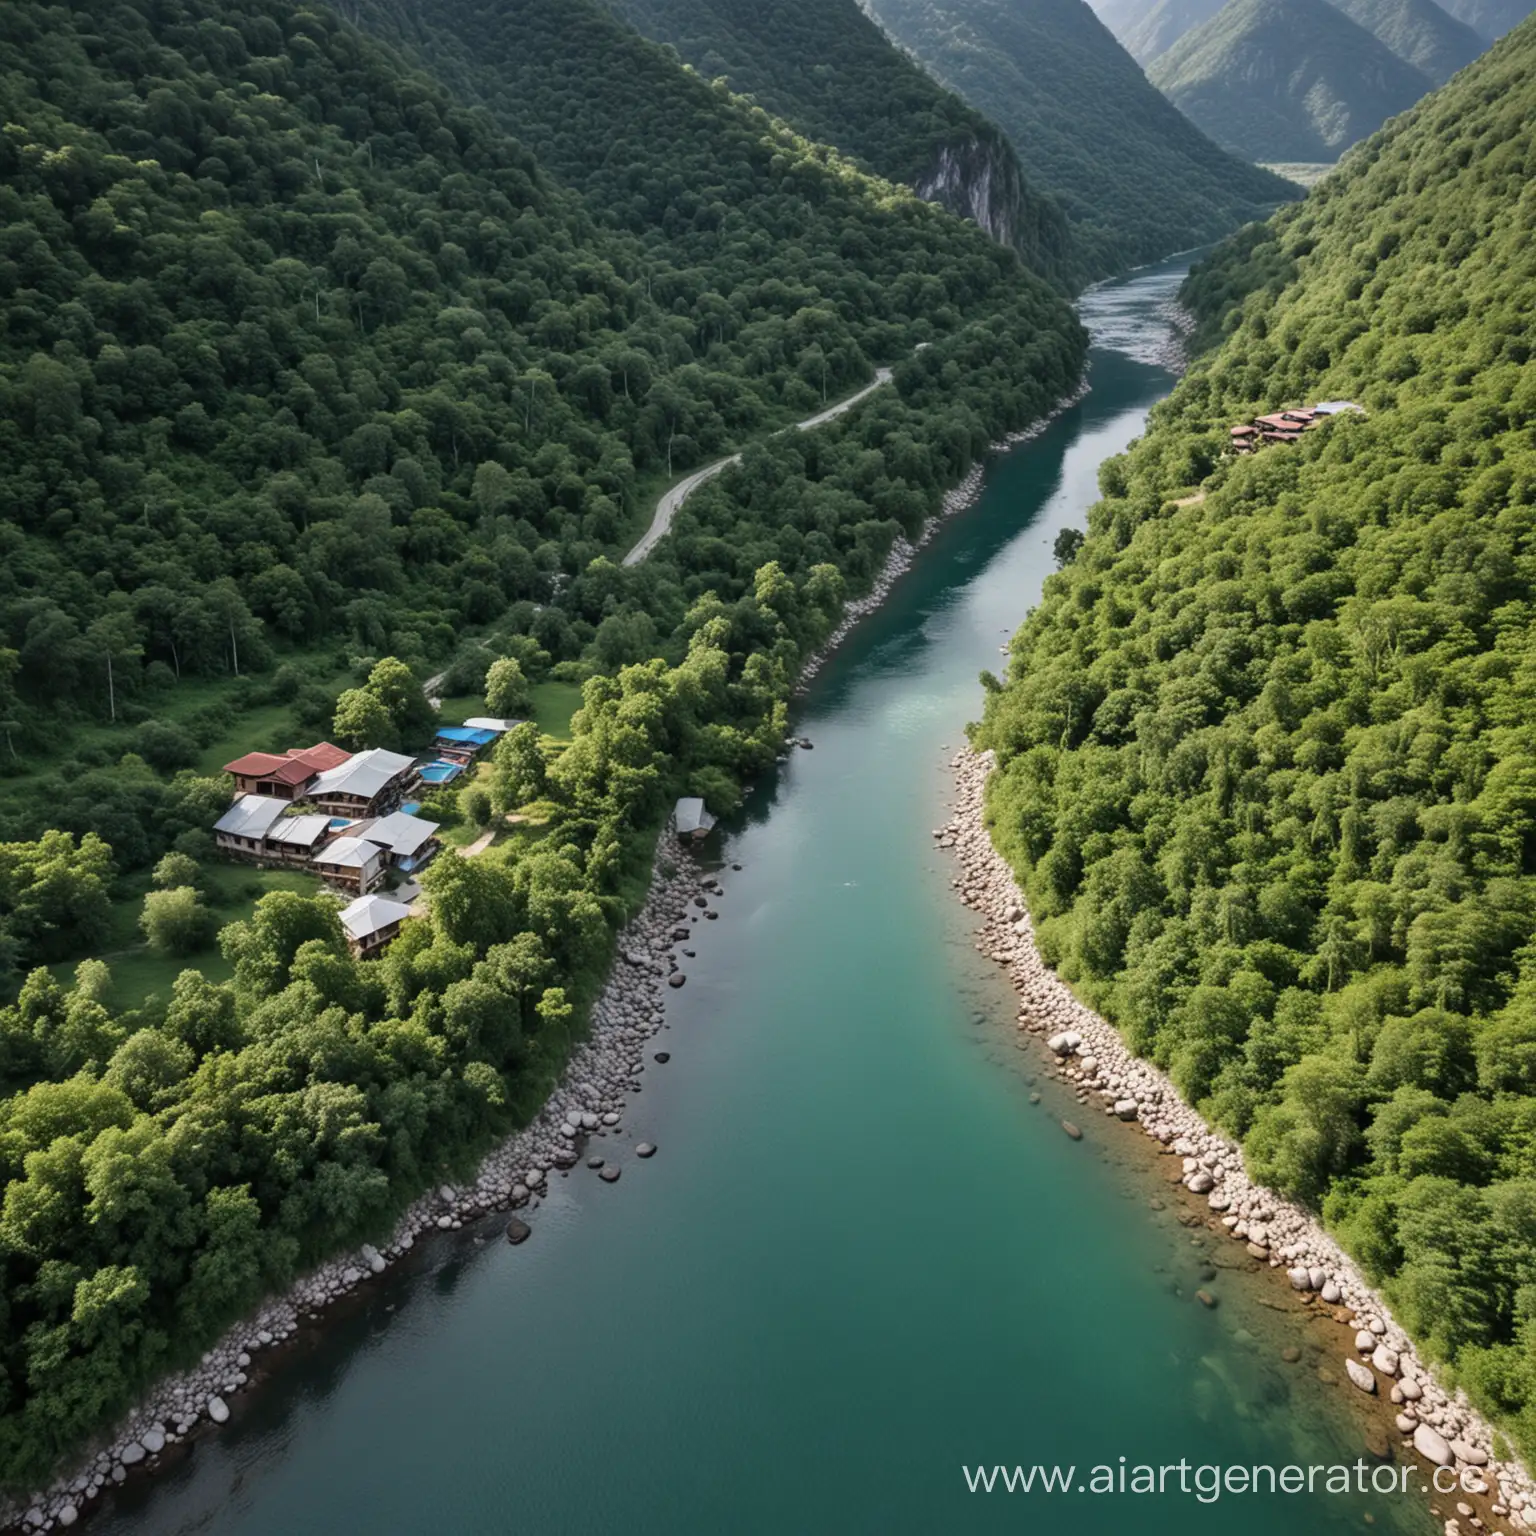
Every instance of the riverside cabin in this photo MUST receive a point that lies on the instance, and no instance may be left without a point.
(691, 820)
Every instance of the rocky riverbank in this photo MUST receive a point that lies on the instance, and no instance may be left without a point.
(589, 1105)
(1438, 1428)
(904, 551)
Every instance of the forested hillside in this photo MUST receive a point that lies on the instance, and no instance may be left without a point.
(334, 360)
(1268, 761)
(827, 69)
(306, 361)
(1137, 179)
(1286, 79)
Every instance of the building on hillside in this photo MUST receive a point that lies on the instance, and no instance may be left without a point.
(242, 829)
(371, 783)
(691, 819)
(371, 923)
(287, 776)
(352, 864)
(408, 841)
(1286, 426)
(297, 839)
(462, 743)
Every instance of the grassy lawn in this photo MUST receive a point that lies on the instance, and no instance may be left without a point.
(553, 706)
(138, 972)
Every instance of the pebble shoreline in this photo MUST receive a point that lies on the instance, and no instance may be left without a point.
(1436, 1427)
(588, 1102)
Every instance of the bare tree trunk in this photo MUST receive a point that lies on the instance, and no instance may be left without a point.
(234, 647)
(111, 690)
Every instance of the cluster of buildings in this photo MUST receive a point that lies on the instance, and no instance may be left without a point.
(346, 817)
(1286, 426)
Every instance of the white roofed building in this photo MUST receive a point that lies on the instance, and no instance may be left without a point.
(242, 829)
(351, 863)
(369, 784)
(371, 922)
(296, 839)
(408, 841)
(691, 819)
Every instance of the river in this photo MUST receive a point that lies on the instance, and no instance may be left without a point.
(862, 1258)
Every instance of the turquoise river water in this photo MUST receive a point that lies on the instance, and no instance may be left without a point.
(862, 1260)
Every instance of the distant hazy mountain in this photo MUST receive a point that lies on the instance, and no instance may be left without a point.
(1137, 180)
(1419, 32)
(1286, 79)
(1147, 29)
(1491, 18)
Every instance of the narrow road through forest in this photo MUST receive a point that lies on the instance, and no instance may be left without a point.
(671, 500)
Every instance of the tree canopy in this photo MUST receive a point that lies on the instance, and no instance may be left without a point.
(1268, 770)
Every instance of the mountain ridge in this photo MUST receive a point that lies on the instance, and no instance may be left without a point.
(1135, 177)
(1280, 80)
(826, 68)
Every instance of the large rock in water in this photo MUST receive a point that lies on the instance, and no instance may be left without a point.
(218, 1410)
(518, 1231)
(1431, 1444)
(1360, 1375)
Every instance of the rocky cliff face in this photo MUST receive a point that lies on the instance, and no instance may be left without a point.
(978, 178)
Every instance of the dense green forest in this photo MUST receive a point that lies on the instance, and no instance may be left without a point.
(307, 361)
(827, 69)
(1286, 79)
(1136, 178)
(299, 353)
(1268, 762)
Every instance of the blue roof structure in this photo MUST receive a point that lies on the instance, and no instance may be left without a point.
(464, 735)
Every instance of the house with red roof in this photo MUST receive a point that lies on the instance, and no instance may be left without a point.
(287, 776)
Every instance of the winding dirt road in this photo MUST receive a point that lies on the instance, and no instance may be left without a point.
(666, 507)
